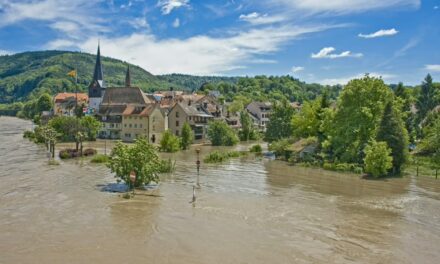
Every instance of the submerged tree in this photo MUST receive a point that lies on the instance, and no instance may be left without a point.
(280, 122)
(221, 134)
(187, 136)
(169, 142)
(140, 158)
(393, 132)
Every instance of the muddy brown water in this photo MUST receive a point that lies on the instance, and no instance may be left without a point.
(247, 211)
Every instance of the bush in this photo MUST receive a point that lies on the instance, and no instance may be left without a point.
(169, 142)
(280, 148)
(218, 156)
(100, 158)
(68, 153)
(167, 166)
(89, 152)
(221, 134)
(29, 134)
(378, 158)
(256, 148)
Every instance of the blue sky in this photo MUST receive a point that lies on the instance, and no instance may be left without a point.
(316, 41)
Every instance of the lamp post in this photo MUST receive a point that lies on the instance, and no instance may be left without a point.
(198, 167)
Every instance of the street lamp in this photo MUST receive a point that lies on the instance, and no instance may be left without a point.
(198, 167)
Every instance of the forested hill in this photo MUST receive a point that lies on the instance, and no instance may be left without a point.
(26, 75)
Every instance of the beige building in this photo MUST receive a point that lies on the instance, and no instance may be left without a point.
(65, 103)
(147, 121)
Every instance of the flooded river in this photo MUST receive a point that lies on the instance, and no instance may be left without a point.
(248, 211)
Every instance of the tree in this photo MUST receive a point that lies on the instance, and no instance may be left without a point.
(169, 142)
(187, 136)
(280, 123)
(140, 158)
(360, 110)
(378, 158)
(221, 134)
(90, 127)
(44, 103)
(431, 143)
(246, 126)
(306, 123)
(427, 98)
(393, 132)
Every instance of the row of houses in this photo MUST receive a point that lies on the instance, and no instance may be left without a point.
(127, 112)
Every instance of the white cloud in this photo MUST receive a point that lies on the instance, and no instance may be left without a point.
(140, 23)
(167, 6)
(380, 33)
(176, 23)
(4, 52)
(259, 19)
(198, 54)
(433, 67)
(296, 69)
(345, 80)
(327, 53)
(343, 6)
(436, 7)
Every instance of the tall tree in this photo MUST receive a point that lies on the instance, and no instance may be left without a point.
(392, 131)
(187, 136)
(360, 109)
(378, 159)
(280, 123)
(221, 134)
(44, 103)
(427, 98)
(246, 126)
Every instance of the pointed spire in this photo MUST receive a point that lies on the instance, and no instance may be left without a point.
(128, 77)
(98, 75)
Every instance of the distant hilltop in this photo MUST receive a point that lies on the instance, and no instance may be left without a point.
(26, 74)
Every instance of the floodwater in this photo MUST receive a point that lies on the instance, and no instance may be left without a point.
(247, 211)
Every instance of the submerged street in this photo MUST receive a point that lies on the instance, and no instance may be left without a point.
(248, 210)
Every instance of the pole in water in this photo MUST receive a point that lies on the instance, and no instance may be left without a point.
(194, 195)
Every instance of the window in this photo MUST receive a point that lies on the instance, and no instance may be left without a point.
(125, 125)
(177, 123)
(135, 125)
(129, 125)
(140, 125)
(154, 118)
(177, 114)
(128, 135)
(190, 118)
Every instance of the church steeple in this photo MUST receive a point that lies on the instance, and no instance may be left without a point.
(98, 75)
(128, 77)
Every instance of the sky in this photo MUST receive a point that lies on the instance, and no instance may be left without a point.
(328, 42)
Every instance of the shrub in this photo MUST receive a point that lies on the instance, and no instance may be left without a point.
(89, 152)
(187, 136)
(378, 158)
(256, 148)
(29, 134)
(169, 142)
(100, 158)
(218, 156)
(221, 134)
(166, 166)
(68, 153)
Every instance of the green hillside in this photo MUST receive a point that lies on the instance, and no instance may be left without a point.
(26, 75)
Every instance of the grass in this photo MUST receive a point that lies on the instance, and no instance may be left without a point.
(53, 162)
(221, 156)
(100, 158)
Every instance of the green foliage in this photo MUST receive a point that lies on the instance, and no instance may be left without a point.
(280, 122)
(90, 126)
(167, 166)
(360, 110)
(44, 103)
(307, 122)
(281, 148)
(393, 132)
(169, 142)
(68, 127)
(187, 136)
(427, 99)
(100, 158)
(221, 134)
(140, 157)
(247, 132)
(431, 143)
(256, 148)
(219, 156)
(378, 159)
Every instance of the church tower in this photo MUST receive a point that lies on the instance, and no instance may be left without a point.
(128, 77)
(97, 86)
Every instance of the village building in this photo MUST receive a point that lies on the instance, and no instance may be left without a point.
(65, 103)
(191, 112)
(260, 113)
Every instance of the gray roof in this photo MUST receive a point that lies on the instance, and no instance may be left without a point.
(109, 110)
(193, 109)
